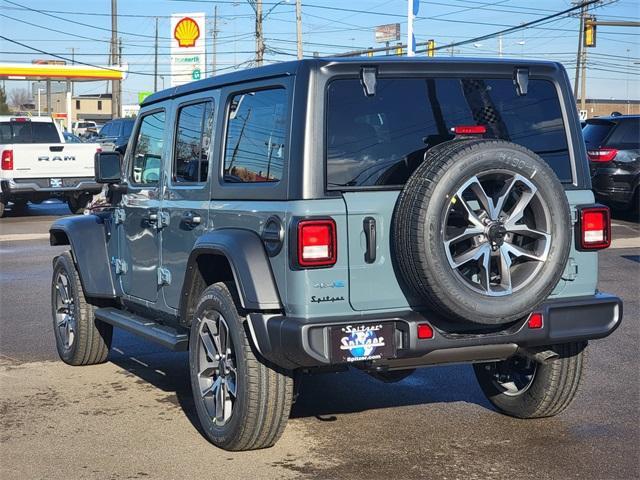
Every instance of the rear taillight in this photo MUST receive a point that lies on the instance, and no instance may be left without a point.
(317, 246)
(98, 150)
(594, 227)
(7, 160)
(425, 332)
(602, 155)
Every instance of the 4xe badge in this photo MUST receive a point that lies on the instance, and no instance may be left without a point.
(363, 342)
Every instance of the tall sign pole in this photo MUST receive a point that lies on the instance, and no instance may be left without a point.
(115, 86)
(412, 11)
(155, 61)
(214, 48)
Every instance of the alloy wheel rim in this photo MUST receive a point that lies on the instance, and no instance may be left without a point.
(514, 376)
(66, 323)
(217, 376)
(496, 232)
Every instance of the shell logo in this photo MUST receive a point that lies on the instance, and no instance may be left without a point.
(186, 32)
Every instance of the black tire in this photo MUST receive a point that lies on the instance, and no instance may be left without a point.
(392, 376)
(422, 208)
(2, 205)
(554, 385)
(91, 337)
(78, 204)
(19, 206)
(263, 395)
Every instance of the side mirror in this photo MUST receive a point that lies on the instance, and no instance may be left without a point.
(107, 167)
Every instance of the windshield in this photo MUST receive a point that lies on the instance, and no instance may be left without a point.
(379, 140)
(28, 132)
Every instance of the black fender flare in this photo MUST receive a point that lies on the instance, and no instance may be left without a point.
(249, 264)
(88, 238)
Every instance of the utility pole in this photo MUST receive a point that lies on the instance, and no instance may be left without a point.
(299, 28)
(583, 12)
(155, 61)
(583, 85)
(115, 60)
(214, 59)
(259, 37)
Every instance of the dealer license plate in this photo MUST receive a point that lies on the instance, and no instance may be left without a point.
(360, 342)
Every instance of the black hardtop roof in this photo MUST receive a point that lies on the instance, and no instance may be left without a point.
(290, 68)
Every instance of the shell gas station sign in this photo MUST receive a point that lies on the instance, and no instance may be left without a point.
(188, 35)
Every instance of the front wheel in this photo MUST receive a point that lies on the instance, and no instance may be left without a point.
(78, 204)
(523, 388)
(242, 403)
(81, 339)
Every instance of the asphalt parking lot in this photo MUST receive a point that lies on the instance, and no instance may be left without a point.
(133, 417)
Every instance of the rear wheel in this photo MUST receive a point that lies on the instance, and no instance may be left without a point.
(523, 388)
(2, 205)
(242, 403)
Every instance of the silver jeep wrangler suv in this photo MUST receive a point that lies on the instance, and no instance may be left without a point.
(382, 214)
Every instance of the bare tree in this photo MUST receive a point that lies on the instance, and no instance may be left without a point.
(18, 97)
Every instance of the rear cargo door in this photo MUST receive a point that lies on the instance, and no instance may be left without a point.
(375, 142)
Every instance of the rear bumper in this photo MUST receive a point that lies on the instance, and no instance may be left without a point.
(26, 186)
(298, 342)
(614, 185)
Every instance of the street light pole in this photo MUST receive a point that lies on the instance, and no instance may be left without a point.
(39, 90)
(299, 28)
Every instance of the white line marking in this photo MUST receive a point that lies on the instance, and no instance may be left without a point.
(625, 243)
(21, 237)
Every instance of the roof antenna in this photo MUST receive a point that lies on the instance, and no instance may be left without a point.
(368, 79)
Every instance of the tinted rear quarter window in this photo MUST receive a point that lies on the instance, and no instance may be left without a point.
(380, 140)
(255, 143)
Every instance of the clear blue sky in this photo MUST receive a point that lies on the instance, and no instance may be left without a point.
(614, 65)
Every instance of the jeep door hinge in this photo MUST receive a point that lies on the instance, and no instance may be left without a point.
(119, 216)
(119, 265)
(163, 220)
(164, 277)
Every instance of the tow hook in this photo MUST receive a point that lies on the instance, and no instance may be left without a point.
(537, 354)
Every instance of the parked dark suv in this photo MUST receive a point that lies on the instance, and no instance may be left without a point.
(114, 135)
(382, 214)
(613, 146)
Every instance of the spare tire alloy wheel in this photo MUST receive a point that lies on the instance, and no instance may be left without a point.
(488, 241)
(481, 231)
(217, 375)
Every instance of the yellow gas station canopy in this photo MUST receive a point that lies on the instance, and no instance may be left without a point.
(75, 73)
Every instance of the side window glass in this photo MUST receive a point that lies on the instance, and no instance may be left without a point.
(147, 153)
(255, 149)
(193, 137)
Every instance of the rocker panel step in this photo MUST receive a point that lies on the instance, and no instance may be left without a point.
(145, 328)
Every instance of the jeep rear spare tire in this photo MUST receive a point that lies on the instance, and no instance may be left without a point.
(482, 231)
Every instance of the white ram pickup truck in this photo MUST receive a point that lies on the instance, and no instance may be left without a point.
(37, 164)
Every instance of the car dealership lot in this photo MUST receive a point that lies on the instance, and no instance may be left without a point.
(133, 417)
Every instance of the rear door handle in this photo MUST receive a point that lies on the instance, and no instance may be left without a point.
(369, 226)
(191, 218)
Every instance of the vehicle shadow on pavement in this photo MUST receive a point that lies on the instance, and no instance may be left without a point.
(320, 395)
(354, 391)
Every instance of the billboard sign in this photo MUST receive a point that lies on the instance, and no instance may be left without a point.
(388, 33)
(188, 34)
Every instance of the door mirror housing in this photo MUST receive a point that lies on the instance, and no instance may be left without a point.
(107, 167)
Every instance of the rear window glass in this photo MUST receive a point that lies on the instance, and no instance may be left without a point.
(626, 135)
(595, 133)
(380, 140)
(127, 128)
(28, 132)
